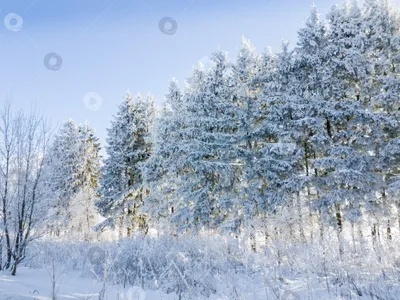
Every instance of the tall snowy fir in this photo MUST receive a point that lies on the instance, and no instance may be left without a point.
(381, 25)
(278, 157)
(84, 211)
(127, 146)
(311, 84)
(63, 172)
(245, 96)
(160, 170)
(345, 168)
(207, 162)
(72, 169)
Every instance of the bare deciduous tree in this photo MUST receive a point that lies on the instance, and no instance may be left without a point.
(23, 146)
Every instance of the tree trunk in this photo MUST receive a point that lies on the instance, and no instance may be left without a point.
(129, 217)
(373, 233)
(306, 165)
(353, 237)
(253, 239)
(389, 230)
(384, 202)
(291, 229)
(339, 228)
(278, 253)
(6, 232)
(339, 218)
(14, 268)
(9, 253)
(321, 225)
(266, 233)
(301, 226)
(120, 225)
(311, 224)
(361, 236)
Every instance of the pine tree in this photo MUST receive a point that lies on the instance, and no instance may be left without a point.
(381, 26)
(310, 92)
(160, 170)
(245, 92)
(62, 172)
(348, 68)
(89, 152)
(84, 212)
(114, 178)
(208, 156)
(277, 163)
(345, 169)
(73, 169)
(127, 146)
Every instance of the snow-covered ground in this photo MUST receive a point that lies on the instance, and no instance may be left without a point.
(36, 284)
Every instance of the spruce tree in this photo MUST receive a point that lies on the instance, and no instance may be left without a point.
(160, 170)
(127, 147)
(207, 164)
(72, 172)
(62, 170)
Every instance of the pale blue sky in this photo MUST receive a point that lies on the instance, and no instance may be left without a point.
(109, 46)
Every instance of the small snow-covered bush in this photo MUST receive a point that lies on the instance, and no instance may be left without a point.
(187, 266)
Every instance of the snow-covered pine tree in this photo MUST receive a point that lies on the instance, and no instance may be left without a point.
(160, 170)
(310, 85)
(381, 25)
(89, 149)
(72, 168)
(344, 166)
(149, 116)
(277, 163)
(62, 174)
(261, 69)
(347, 68)
(84, 214)
(142, 120)
(127, 147)
(114, 179)
(208, 160)
(245, 96)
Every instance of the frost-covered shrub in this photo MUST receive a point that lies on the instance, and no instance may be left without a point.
(187, 266)
(197, 267)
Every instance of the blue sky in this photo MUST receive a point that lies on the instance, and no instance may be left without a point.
(110, 46)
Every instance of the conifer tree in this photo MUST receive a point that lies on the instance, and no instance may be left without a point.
(207, 164)
(62, 171)
(73, 169)
(127, 147)
(160, 170)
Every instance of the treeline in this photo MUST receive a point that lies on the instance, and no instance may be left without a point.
(316, 126)
(314, 129)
